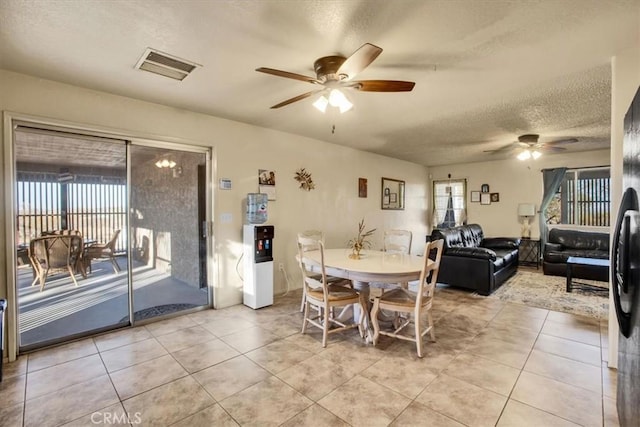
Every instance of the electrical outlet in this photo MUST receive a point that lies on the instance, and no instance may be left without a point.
(281, 267)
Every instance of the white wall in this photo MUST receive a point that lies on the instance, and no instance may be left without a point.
(516, 182)
(240, 150)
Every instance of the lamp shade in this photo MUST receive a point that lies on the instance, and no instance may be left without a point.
(526, 209)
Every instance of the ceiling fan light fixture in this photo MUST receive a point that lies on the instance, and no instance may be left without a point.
(524, 155)
(338, 99)
(536, 154)
(321, 103)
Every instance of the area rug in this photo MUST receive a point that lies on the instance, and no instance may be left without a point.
(158, 310)
(549, 292)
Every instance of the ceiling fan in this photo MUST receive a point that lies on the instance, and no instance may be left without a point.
(529, 147)
(335, 73)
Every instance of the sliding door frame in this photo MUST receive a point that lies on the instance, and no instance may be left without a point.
(10, 120)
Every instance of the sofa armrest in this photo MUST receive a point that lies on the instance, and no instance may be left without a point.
(548, 247)
(480, 253)
(500, 243)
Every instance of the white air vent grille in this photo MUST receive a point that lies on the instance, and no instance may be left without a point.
(166, 65)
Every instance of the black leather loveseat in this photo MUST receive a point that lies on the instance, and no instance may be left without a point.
(472, 261)
(562, 244)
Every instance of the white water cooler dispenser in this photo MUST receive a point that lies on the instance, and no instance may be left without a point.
(258, 265)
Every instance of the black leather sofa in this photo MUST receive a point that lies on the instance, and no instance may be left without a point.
(562, 244)
(471, 261)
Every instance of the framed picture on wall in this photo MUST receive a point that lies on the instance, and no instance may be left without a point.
(485, 199)
(495, 197)
(475, 196)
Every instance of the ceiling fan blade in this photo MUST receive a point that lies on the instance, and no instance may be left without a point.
(288, 75)
(383, 85)
(296, 98)
(549, 149)
(359, 60)
(503, 149)
(561, 141)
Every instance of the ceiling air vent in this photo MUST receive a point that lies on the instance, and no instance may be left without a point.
(166, 65)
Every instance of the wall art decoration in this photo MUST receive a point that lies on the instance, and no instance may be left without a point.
(495, 197)
(305, 180)
(475, 196)
(362, 187)
(267, 183)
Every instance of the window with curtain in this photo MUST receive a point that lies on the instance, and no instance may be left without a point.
(583, 198)
(449, 203)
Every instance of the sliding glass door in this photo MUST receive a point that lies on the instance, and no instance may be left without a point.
(70, 192)
(107, 232)
(168, 230)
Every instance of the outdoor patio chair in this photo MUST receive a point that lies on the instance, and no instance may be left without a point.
(54, 254)
(103, 250)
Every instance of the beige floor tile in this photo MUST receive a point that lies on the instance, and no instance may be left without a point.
(249, 339)
(211, 416)
(284, 325)
(525, 338)
(16, 368)
(111, 415)
(407, 377)
(582, 332)
(11, 416)
(610, 413)
(419, 415)
(121, 338)
(208, 315)
(167, 326)
(570, 349)
(566, 370)
(609, 381)
(59, 376)
(314, 416)
(437, 356)
(312, 340)
(452, 338)
(362, 402)
(204, 355)
(353, 355)
(269, 402)
(178, 340)
(169, 403)
(12, 391)
(70, 403)
(316, 377)
(484, 373)
(462, 401)
(500, 351)
(524, 310)
(519, 320)
(144, 376)
(573, 319)
(227, 325)
(563, 400)
(131, 354)
(278, 356)
(479, 312)
(461, 322)
(518, 414)
(230, 377)
(64, 353)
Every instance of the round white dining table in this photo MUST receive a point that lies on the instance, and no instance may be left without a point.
(373, 266)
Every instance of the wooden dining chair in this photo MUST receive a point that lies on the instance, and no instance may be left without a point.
(324, 296)
(398, 241)
(411, 305)
(315, 236)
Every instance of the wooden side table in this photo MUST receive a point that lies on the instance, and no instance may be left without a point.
(529, 252)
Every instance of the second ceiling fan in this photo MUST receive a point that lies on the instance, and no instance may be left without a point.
(529, 146)
(334, 73)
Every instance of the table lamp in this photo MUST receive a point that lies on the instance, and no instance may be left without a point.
(526, 210)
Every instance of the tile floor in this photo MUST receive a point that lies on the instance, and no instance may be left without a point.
(494, 363)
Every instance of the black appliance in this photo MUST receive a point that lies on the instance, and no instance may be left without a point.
(625, 273)
(263, 243)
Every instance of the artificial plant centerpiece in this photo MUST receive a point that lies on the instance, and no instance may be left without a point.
(360, 242)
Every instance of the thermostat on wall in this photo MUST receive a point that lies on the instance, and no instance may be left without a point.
(225, 184)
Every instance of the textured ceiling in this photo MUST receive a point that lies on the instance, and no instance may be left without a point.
(485, 71)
